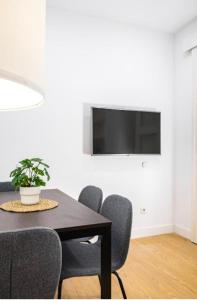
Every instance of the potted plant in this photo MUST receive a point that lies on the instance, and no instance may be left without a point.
(29, 176)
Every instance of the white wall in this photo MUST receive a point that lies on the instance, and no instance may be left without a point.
(183, 132)
(90, 60)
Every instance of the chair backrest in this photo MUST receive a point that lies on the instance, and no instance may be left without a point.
(30, 263)
(6, 187)
(91, 196)
(119, 210)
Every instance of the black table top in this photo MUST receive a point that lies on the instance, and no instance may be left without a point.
(70, 215)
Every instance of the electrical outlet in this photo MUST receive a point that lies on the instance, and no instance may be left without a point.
(143, 211)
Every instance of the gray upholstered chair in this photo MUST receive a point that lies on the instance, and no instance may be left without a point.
(91, 196)
(30, 263)
(6, 187)
(84, 259)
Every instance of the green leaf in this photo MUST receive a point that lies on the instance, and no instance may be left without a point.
(47, 166)
(47, 174)
(36, 159)
(38, 181)
(26, 163)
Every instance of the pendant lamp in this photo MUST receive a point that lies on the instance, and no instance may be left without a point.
(22, 32)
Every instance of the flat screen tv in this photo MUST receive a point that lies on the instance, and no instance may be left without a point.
(118, 131)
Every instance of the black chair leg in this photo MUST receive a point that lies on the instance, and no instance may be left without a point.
(60, 289)
(121, 284)
(99, 277)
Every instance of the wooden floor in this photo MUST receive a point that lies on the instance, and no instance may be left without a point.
(163, 266)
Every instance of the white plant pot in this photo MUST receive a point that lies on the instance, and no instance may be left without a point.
(30, 195)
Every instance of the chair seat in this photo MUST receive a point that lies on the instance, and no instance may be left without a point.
(81, 259)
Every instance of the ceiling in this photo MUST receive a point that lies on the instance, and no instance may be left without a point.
(164, 15)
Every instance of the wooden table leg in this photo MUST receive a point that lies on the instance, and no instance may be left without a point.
(106, 264)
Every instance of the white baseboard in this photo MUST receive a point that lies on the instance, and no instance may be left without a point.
(161, 229)
(151, 230)
(183, 231)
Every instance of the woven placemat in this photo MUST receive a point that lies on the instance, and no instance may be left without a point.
(17, 206)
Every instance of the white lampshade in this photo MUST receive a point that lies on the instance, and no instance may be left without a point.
(22, 38)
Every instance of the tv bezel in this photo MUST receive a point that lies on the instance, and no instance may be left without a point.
(125, 109)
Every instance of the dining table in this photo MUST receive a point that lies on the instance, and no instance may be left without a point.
(70, 219)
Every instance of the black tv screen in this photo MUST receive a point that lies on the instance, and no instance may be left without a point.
(125, 131)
